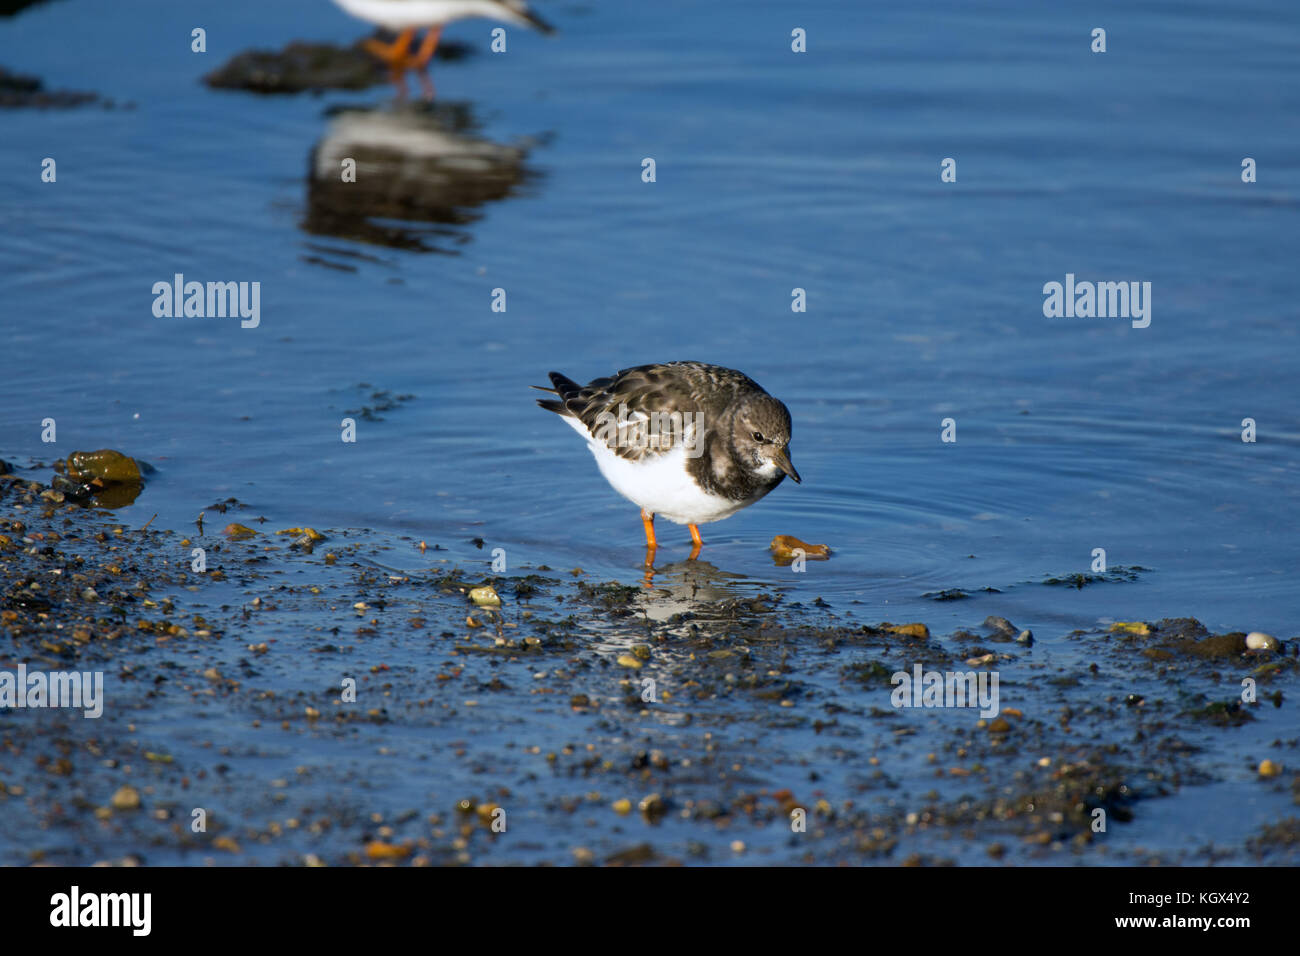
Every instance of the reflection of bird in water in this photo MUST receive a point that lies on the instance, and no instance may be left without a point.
(404, 17)
(413, 164)
(690, 586)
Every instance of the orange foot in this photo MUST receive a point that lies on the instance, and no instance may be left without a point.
(397, 54)
(698, 542)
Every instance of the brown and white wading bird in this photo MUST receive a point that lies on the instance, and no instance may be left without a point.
(686, 441)
(404, 17)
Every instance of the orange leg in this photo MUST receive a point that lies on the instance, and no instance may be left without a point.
(396, 54)
(425, 53)
(698, 542)
(648, 520)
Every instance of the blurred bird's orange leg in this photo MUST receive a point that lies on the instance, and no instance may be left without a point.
(425, 53)
(420, 61)
(396, 54)
(698, 542)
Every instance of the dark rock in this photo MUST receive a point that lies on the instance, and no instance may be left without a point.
(18, 90)
(300, 67)
(1220, 645)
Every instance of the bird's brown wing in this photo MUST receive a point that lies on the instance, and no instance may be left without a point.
(649, 409)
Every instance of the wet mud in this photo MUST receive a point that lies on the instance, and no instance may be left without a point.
(339, 697)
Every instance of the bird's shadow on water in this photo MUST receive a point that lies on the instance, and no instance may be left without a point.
(409, 175)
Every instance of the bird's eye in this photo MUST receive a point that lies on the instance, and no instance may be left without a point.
(758, 437)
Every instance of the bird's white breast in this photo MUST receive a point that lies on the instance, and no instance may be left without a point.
(659, 483)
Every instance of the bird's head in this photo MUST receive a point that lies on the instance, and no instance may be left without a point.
(760, 436)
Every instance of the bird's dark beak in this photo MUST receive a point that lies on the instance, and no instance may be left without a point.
(782, 459)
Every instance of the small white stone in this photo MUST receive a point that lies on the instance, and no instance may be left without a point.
(1258, 641)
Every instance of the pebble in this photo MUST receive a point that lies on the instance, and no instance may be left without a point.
(126, 798)
(999, 624)
(1026, 637)
(1259, 641)
(311, 534)
(911, 630)
(485, 597)
(652, 807)
(378, 850)
(1269, 768)
(785, 546)
(106, 464)
(627, 660)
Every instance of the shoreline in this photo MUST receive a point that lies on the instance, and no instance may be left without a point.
(524, 734)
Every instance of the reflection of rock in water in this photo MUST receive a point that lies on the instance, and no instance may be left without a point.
(420, 173)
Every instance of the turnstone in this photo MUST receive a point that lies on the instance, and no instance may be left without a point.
(690, 442)
(404, 17)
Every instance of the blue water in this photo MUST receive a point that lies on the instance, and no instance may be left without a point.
(775, 170)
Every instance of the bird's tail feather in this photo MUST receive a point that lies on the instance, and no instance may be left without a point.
(563, 387)
(537, 22)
